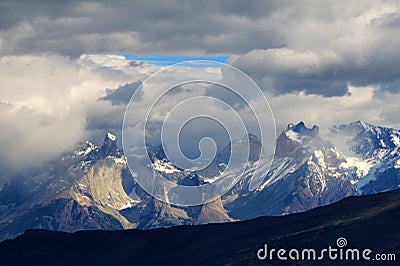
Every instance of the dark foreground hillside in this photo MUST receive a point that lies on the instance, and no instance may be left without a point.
(366, 222)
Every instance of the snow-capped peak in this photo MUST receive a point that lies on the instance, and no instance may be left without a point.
(85, 149)
(109, 147)
(364, 139)
(299, 134)
(111, 136)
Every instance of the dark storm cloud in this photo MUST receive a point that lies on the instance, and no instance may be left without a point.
(111, 120)
(108, 112)
(170, 27)
(122, 94)
(317, 47)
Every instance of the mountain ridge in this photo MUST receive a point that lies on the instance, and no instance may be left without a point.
(308, 171)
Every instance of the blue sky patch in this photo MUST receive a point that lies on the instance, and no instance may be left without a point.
(167, 60)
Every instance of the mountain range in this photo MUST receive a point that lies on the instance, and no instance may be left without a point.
(91, 188)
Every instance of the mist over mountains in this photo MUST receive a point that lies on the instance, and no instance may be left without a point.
(92, 188)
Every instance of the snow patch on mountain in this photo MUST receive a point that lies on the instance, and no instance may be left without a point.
(280, 168)
(293, 136)
(111, 136)
(397, 165)
(165, 166)
(371, 176)
(85, 149)
(396, 139)
(320, 158)
(127, 205)
(121, 160)
(363, 167)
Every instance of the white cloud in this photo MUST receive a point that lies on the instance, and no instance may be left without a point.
(361, 103)
(291, 46)
(46, 100)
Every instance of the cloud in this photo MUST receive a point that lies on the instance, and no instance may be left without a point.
(285, 70)
(47, 101)
(288, 46)
(170, 27)
(122, 94)
(369, 104)
(316, 61)
(326, 48)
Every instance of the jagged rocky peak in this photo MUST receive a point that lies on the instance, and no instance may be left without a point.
(361, 124)
(255, 147)
(109, 147)
(253, 138)
(364, 139)
(111, 137)
(300, 133)
(293, 140)
(352, 128)
(90, 151)
(302, 129)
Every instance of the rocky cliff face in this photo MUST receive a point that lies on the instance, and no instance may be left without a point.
(101, 186)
